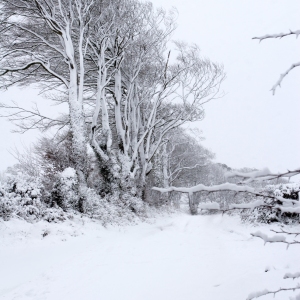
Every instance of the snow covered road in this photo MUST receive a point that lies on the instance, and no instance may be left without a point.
(179, 257)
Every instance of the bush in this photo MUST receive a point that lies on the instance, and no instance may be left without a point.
(65, 191)
(44, 185)
(24, 196)
(114, 209)
(20, 196)
(54, 215)
(270, 215)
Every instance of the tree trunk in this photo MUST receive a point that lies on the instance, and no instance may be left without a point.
(192, 204)
(165, 172)
(79, 147)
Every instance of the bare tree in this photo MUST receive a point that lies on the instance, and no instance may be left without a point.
(142, 96)
(183, 158)
(44, 42)
(109, 61)
(180, 160)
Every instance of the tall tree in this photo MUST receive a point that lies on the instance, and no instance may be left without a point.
(44, 42)
(109, 60)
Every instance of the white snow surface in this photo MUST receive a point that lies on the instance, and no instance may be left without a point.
(293, 276)
(213, 188)
(209, 205)
(270, 239)
(251, 175)
(250, 205)
(172, 257)
(68, 173)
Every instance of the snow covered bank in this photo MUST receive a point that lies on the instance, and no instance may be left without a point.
(177, 257)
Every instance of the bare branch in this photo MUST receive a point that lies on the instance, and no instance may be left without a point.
(274, 36)
(278, 83)
(290, 275)
(262, 175)
(27, 119)
(266, 292)
(46, 66)
(274, 239)
(277, 35)
(286, 232)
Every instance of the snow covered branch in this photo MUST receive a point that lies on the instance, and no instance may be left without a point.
(291, 275)
(280, 35)
(277, 35)
(277, 202)
(27, 66)
(218, 188)
(262, 175)
(274, 239)
(277, 238)
(231, 187)
(278, 83)
(267, 292)
(286, 232)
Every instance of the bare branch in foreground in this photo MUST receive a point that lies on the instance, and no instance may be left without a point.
(274, 36)
(290, 275)
(266, 292)
(274, 239)
(277, 35)
(286, 232)
(278, 83)
(262, 175)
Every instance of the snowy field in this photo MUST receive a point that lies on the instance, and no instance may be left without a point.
(177, 257)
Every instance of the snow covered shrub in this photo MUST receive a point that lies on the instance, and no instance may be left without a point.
(45, 159)
(6, 206)
(287, 191)
(54, 215)
(24, 196)
(114, 209)
(260, 215)
(269, 215)
(65, 191)
(20, 196)
(53, 155)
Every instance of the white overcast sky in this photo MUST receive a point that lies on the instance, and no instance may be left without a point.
(248, 127)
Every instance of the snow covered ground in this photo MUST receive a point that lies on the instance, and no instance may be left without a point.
(177, 257)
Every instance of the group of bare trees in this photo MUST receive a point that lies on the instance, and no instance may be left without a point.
(128, 95)
(110, 62)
